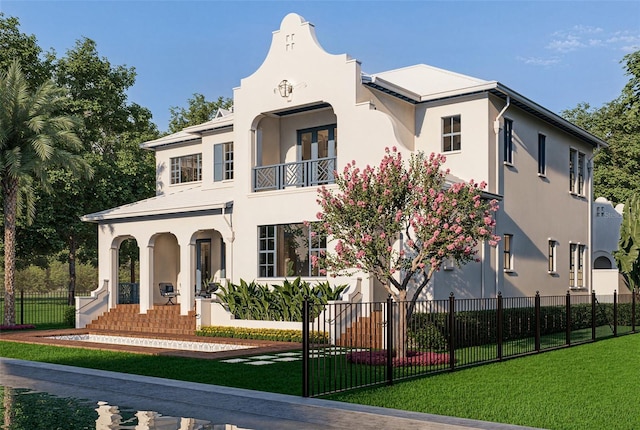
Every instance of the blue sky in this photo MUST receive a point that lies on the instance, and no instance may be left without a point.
(556, 53)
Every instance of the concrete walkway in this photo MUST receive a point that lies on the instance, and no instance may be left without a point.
(219, 405)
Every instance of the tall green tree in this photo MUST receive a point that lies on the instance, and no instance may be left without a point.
(618, 123)
(628, 254)
(110, 133)
(36, 65)
(199, 110)
(33, 138)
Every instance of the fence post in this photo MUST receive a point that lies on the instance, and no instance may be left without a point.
(537, 317)
(568, 318)
(305, 347)
(615, 313)
(500, 328)
(633, 311)
(390, 339)
(593, 315)
(452, 331)
(21, 307)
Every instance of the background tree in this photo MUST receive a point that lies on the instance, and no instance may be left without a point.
(198, 111)
(628, 254)
(618, 123)
(33, 137)
(36, 66)
(110, 133)
(373, 207)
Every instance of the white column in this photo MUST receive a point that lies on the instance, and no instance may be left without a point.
(147, 281)
(186, 276)
(114, 264)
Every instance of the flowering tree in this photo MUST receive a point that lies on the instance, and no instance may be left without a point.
(375, 207)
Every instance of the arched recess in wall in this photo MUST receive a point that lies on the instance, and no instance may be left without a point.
(602, 262)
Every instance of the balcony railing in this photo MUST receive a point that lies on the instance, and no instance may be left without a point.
(306, 173)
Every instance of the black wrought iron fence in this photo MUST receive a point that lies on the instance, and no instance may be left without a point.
(376, 343)
(42, 309)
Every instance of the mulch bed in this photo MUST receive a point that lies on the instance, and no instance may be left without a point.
(413, 358)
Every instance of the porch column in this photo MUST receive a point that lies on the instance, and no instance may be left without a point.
(186, 277)
(146, 277)
(114, 264)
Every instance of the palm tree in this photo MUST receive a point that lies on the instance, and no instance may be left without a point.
(34, 137)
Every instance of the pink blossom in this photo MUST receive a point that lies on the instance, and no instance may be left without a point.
(360, 254)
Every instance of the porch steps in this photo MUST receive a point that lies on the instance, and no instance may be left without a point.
(159, 320)
(366, 332)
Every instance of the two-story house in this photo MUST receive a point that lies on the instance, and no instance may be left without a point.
(233, 193)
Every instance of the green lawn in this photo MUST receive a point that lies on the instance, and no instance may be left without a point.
(591, 386)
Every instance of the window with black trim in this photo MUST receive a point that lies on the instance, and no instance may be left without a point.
(508, 141)
(552, 256)
(187, 168)
(576, 265)
(289, 250)
(542, 154)
(577, 177)
(451, 133)
(507, 244)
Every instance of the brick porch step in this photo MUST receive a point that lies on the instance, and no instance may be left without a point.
(159, 320)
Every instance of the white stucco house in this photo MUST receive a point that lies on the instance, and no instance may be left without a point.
(607, 220)
(233, 193)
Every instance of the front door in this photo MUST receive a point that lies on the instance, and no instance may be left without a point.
(203, 262)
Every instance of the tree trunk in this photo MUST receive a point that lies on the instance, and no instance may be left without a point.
(400, 341)
(132, 269)
(8, 402)
(72, 270)
(10, 194)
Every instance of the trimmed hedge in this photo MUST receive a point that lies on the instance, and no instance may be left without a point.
(431, 330)
(261, 334)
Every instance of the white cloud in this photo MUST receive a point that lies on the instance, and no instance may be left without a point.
(568, 44)
(539, 61)
(581, 37)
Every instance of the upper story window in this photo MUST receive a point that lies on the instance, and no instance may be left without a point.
(187, 168)
(508, 141)
(542, 154)
(223, 161)
(289, 250)
(576, 172)
(451, 133)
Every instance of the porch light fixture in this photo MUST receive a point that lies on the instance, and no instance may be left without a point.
(285, 88)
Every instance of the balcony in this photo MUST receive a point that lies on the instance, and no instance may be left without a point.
(308, 173)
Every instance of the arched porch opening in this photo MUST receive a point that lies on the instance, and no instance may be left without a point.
(165, 266)
(129, 272)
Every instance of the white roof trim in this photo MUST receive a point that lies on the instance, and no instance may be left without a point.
(185, 201)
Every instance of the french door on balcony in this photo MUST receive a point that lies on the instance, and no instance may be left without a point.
(318, 146)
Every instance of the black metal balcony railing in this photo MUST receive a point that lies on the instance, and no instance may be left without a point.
(306, 173)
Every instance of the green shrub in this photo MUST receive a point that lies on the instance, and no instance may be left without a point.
(70, 316)
(261, 334)
(278, 302)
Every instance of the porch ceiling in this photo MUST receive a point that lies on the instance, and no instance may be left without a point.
(182, 202)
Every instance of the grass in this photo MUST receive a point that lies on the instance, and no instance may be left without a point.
(595, 385)
(282, 378)
(587, 387)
